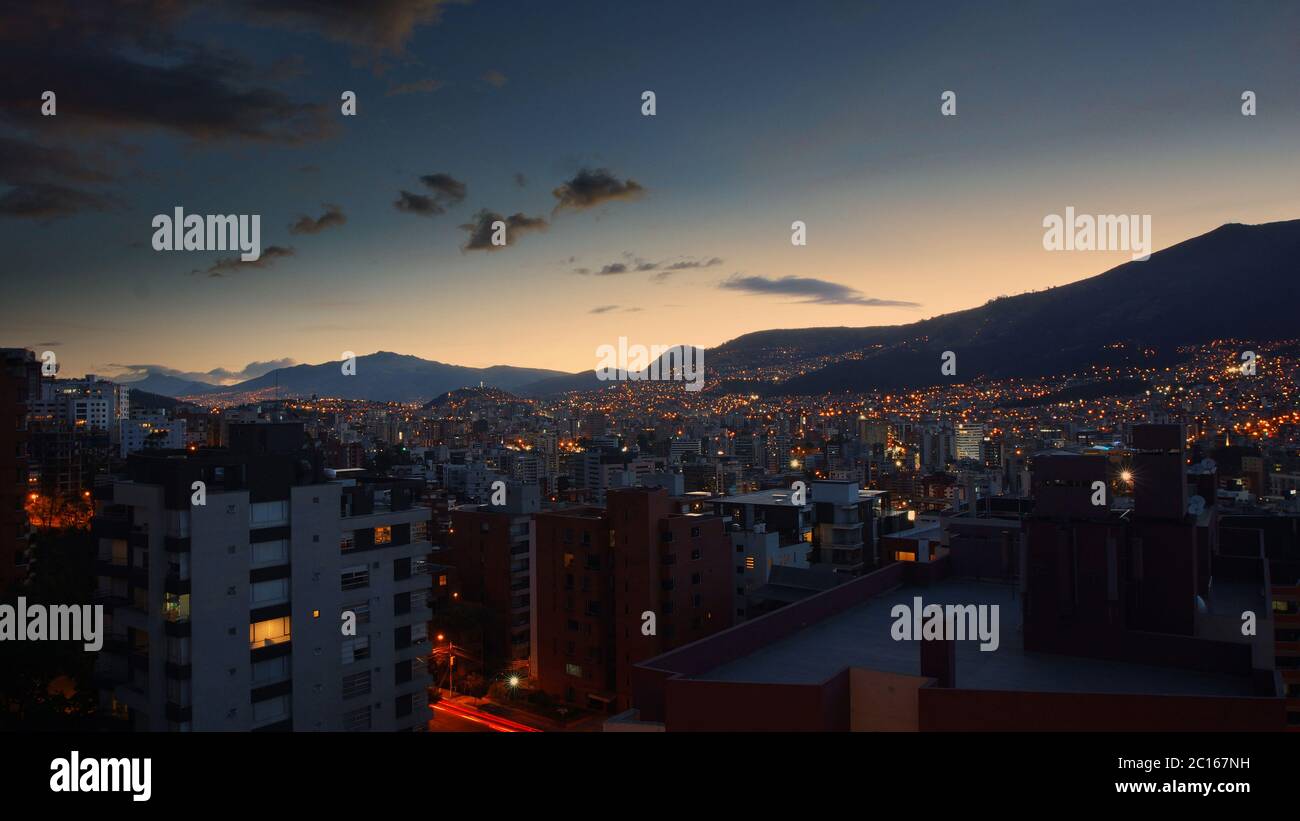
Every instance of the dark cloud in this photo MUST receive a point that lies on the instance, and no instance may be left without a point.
(480, 230)
(603, 309)
(196, 94)
(376, 25)
(41, 181)
(445, 187)
(42, 201)
(417, 204)
(417, 87)
(612, 269)
(447, 191)
(23, 161)
(227, 265)
(494, 78)
(813, 291)
(590, 188)
(332, 217)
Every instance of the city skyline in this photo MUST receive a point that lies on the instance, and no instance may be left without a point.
(782, 118)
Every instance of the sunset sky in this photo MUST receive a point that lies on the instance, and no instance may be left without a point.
(825, 112)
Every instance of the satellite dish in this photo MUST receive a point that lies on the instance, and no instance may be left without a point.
(1195, 505)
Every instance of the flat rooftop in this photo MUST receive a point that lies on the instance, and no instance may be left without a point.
(860, 637)
(775, 496)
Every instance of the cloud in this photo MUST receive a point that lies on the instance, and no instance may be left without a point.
(376, 25)
(590, 188)
(41, 179)
(665, 269)
(814, 291)
(447, 191)
(306, 225)
(520, 179)
(417, 87)
(685, 265)
(216, 376)
(233, 264)
(41, 200)
(480, 230)
(605, 309)
(195, 93)
(445, 187)
(494, 78)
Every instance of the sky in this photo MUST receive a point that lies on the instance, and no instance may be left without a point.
(766, 113)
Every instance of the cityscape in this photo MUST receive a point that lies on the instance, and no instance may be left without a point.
(466, 369)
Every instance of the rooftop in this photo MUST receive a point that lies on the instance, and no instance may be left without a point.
(861, 637)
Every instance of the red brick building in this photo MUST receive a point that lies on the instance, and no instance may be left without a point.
(19, 383)
(605, 575)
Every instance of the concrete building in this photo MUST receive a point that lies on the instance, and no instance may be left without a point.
(229, 615)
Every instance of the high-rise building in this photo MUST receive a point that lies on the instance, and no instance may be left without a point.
(621, 584)
(491, 548)
(286, 599)
(20, 375)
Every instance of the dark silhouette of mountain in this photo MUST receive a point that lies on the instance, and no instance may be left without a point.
(588, 380)
(1236, 282)
(164, 385)
(387, 377)
(490, 396)
(151, 401)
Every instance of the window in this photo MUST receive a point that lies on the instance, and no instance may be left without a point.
(695, 533)
(347, 542)
(176, 608)
(442, 580)
(573, 670)
(357, 720)
(269, 632)
(402, 706)
(268, 514)
(272, 709)
(269, 553)
(271, 670)
(275, 591)
(419, 531)
(355, 577)
(356, 684)
(401, 569)
(383, 535)
(362, 612)
(355, 649)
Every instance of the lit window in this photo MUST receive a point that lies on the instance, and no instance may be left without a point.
(383, 535)
(269, 632)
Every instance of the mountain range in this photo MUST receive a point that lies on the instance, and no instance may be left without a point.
(1235, 282)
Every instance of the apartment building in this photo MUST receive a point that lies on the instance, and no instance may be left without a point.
(19, 384)
(767, 530)
(229, 615)
(600, 571)
(491, 549)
